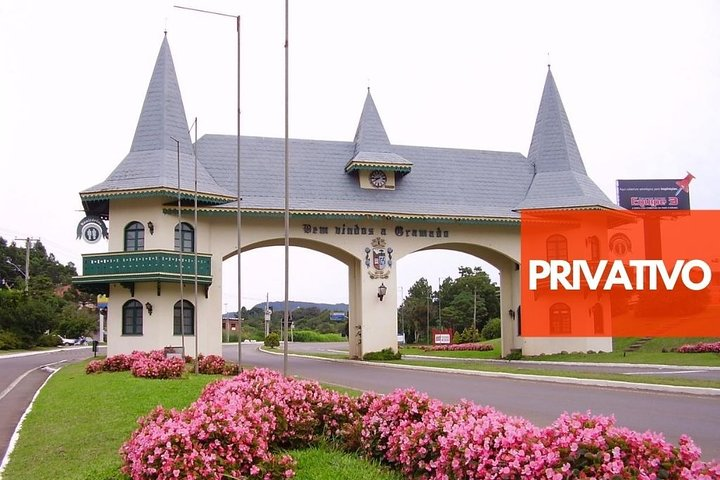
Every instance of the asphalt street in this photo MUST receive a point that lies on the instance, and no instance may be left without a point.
(20, 378)
(541, 402)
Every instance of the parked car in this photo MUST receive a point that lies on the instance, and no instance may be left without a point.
(67, 341)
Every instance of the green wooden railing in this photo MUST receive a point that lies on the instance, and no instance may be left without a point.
(147, 264)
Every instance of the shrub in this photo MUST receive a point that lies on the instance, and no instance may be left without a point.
(713, 347)
(117, 363)
(211, 365)
(313, 336)
(10, 341)
(469, 335)
(238, 426)
(48, 341)
(272, 340)
(478, 347)
(384, 354)
(491, 329)
(156, 365)
(233, 428)
(95, 366)
(231, 369)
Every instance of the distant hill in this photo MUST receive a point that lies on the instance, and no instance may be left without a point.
(279, 306)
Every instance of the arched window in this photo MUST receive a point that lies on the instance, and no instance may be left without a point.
(188, 314)
(556, 247)
(598, 321)
(594, 243)
(132, 315)
(620, 244)
(560, 319)
(186, 238)
(134, 237)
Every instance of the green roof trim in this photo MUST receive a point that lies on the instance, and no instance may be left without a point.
(355, 166)
(220, 212)
(159, 192)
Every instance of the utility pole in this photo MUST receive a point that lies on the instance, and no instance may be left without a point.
(475, 307)
(28, 243)
(427, 319)
(402, 312)
(439, 305)
(267, 314)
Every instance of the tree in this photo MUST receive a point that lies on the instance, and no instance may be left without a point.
(417, 310)
(467, 301)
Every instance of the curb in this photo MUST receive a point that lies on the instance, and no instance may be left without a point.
(657, 366)
(535, 378)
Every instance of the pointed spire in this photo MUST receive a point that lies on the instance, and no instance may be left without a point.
(370, 135)
(553, 146)
(372, 146)
(162, 117)
(559, 176)
(153, 160)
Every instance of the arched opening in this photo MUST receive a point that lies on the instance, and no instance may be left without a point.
(442, 289)
(318, 287)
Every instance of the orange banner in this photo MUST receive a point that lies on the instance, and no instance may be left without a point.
(620, 273)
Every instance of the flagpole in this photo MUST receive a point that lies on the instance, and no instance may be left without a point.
(180, 242)
(195, 310)
(286, 315)
(239, 215)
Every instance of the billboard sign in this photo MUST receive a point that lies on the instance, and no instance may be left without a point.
(657, 194)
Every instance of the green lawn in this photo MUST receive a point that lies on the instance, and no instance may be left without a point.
(519, 368)
(79, 422)
(491, 354)
(655, 351)
(325, 463)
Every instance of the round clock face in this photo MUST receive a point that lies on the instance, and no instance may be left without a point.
(378, 178)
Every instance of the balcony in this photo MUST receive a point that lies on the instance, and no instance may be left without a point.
(101, 269)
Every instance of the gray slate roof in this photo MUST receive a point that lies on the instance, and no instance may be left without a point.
(153, 159)
(372, 146)
(477, 184)
(561, 179)
(442, 182)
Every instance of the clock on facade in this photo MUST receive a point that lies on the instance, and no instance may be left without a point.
(378, 178)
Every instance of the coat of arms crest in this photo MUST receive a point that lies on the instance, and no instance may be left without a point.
(378, 259)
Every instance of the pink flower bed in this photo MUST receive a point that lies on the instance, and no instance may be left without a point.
(237, 427)
(155, 364)
(478, 347)
(232, 430)
(142, 364)
(713, 347)
(211, 365)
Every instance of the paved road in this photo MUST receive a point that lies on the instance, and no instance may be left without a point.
(698, 373)
(540, 402)
(20, 377)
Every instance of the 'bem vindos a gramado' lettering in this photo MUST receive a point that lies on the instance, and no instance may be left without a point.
(606, 275)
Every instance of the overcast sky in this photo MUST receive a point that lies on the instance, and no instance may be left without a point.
(640, 81)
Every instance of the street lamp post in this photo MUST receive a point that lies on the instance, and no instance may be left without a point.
(239, 215)
(25, 275)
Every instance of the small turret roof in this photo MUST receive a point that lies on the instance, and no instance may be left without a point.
(372, 146)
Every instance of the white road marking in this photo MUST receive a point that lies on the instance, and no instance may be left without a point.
(674, 372)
